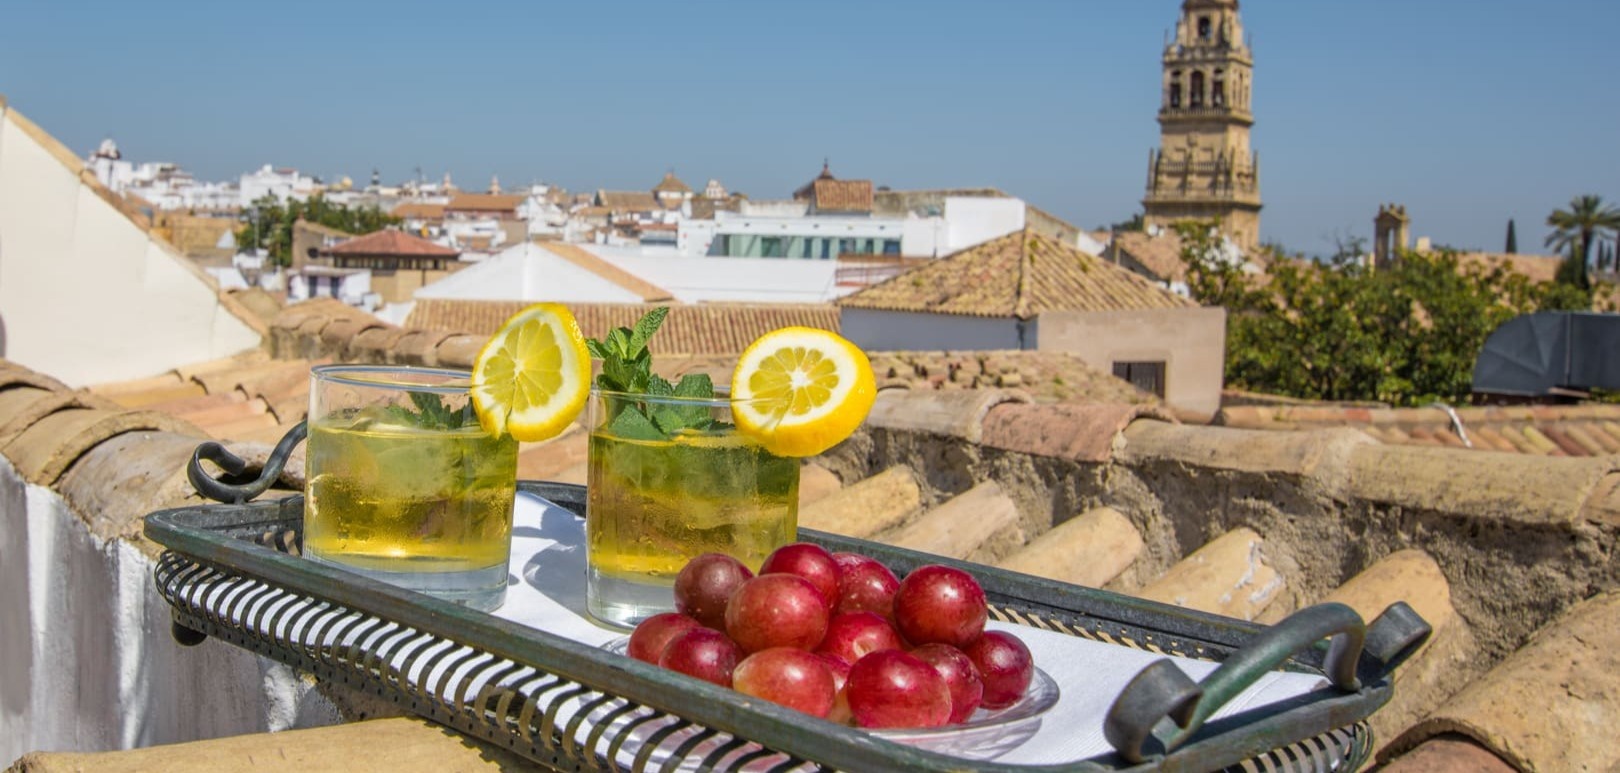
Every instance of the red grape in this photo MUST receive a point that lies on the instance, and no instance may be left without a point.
(940, 604)
(893, 689)
(776, 610)
(791, 677)
(961, 676)
(864, 584)
(703, 653)
(647, 642)
(854, 635)
(705, 584)
(807, 560)
(1004, 664)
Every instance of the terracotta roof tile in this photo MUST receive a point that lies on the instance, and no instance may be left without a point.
(483, 202)
(628, 201)
(389, 242)
(689, 329)
(1018, 275)
(416, 210)
(842, 195)
(1160, 255)
(1546, 430)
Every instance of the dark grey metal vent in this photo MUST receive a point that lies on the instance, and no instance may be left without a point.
(1549, 353)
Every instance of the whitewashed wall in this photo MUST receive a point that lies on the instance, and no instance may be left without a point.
(85, 294)
(87, 662)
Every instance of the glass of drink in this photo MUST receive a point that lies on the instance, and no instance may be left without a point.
(656, 499)
(405, 486)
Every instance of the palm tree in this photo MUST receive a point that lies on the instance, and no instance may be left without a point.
(1577, 228)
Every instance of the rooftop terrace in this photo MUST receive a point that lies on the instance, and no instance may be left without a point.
(1509, 555)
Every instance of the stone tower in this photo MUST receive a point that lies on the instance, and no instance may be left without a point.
(1204, 168)
(1390, 234)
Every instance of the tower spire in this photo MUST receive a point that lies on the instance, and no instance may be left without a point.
(1205, 169)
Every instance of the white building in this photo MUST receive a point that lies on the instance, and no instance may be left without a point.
(283, 183)
(164, 185)
(792, 230)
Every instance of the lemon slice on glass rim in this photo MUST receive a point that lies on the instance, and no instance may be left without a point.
(532, 377)
(799, 391)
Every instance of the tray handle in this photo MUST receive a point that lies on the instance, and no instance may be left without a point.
(230, 488)
(1164, 692)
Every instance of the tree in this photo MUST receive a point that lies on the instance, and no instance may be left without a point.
(1337, 330)
(268, 223)
(1577, 229)
(1512, 239)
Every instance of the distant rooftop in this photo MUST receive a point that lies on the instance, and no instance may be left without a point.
(1018, 275)
(392, 243)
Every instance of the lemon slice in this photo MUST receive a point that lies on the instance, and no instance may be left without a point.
(532, 377)
(801, 391)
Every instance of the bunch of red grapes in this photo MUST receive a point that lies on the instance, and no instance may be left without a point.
(838, 636)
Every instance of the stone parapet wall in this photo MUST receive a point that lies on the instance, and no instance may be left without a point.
(1518, 540)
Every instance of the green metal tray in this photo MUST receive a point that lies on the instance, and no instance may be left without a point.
(232, 572)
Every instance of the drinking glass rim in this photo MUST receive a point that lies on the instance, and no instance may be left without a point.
(373, 377)
(722, 397)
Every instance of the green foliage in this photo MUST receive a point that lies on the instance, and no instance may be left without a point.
(1576, 229)
(269, 224)
(627, 368)
(1337, 330)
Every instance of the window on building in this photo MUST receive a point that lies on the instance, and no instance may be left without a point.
(1175, 91)
(1146, 376)
(891, 246)
(1217, 91)
(826, 248)
(1203, 28)
(1197, 89)
(770, 247)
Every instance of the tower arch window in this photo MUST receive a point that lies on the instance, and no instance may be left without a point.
(1175, 89)
(1197, 88)
(1217, 90)
(1205, 29)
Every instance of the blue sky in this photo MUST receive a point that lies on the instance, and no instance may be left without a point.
(1468, 111)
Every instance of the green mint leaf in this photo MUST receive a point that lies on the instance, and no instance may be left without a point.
(596, 348)
(632, 424)
(618, 342)
(645, 327)
(695, 385)
(658, 385)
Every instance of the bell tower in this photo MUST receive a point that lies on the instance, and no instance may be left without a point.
(1203, 168)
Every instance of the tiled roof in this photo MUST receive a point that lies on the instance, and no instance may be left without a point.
(1160, 255)
(1022, 275)
(389, 242)
(628, 201)
(483, 202)
(689, 329)
(416, 210)
(805, 190)
(1544, 430)
(843, 195)
(671, 184)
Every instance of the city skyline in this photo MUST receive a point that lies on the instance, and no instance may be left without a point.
(1467, 113)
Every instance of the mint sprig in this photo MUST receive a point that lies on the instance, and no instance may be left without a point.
(627, 368)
